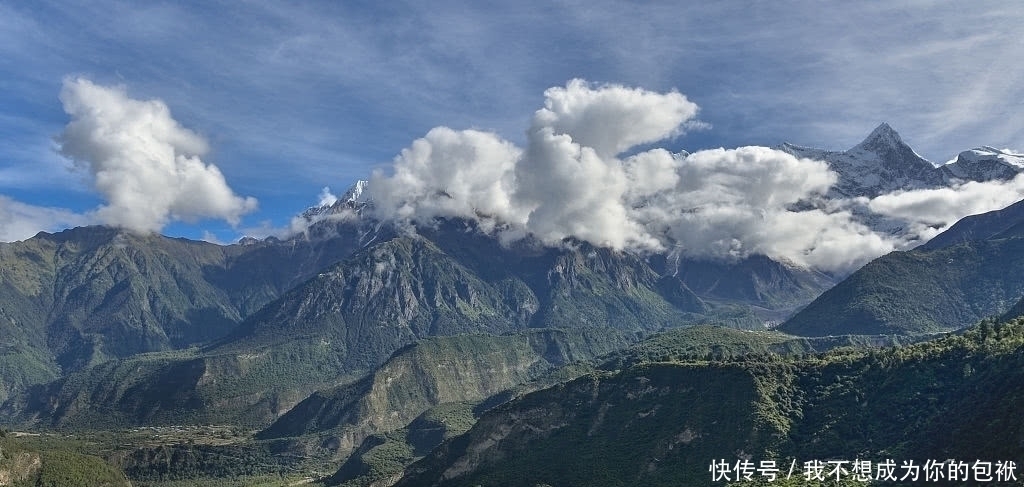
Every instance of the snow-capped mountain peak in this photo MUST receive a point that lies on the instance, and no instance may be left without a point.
(885, 143)
(354, 199)
(883, 137)
(356, 192)
(881, 163)
(984, 164)
(1004, 156)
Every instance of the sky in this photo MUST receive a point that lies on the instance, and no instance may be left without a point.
(216, 120)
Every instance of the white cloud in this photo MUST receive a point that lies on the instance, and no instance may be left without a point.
(569, 182)
(464, 173)
(147, 167)
(326, 197)
(612, 118)
(930, 211)
(573, 192)
(815, 238)
(734, 203)
(570, 178)
(19, 221)
(211, 237)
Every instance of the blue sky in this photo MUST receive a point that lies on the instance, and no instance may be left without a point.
(294, 96)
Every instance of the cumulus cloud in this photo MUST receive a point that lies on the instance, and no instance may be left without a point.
(19, 221)
(466, 173)
(930, 211)
(570, 179)
(611, 119)
(580, 176)
(571, 191)
(147, 166)
(573, 181)
(733, 203)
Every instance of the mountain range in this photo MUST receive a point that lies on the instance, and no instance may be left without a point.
(360, 336)
(883, 163)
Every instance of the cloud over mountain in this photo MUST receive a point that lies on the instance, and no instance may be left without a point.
(146, 165)
(19, 221)
(573, 180)
(930, 211)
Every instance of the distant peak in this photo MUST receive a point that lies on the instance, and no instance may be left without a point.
(884, 127)
(883, 137)
(355, 192)
(353, 200)
(987, 153)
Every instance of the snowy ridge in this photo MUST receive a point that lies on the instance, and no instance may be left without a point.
(355, 193)
(984, 164)
(882, 163)
(354, 200)
(883, 139)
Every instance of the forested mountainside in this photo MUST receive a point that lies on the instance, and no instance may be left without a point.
(83, 296)
(27, 462)
(663, 423)
(920, 291)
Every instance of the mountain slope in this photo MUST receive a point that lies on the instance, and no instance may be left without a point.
(984, 164)
(919, 291)
(25, 464)
(441, 370)
(663, 423)
(382, 456)
(86, 295)
(382, 299)
(721, 343)
(1003, 223)
(656, 424)
(773, 289)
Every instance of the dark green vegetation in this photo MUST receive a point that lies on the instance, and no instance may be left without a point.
(430, 391)
(969, 272)
(385, 456)
(25, 462)
(83, 296)
(662, 423)
(439, 371)
(108, 330)
(718, 343)
(400, 389)
(920, 291)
